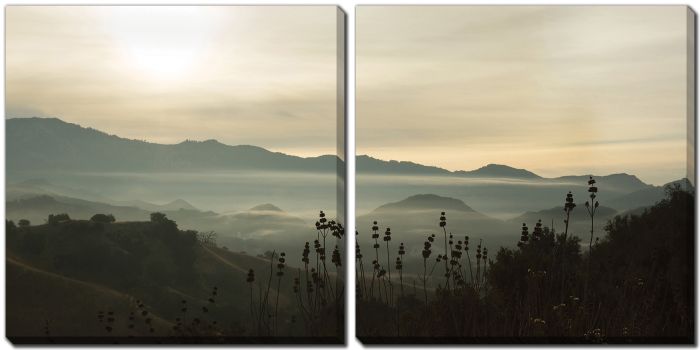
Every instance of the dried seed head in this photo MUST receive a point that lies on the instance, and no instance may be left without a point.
(569, 204)
(250, 278)
(335, 258)
(524, 235)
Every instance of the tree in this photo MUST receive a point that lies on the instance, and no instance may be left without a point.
(103, 218)
(58, 218)
(158, 217)
(23, 223)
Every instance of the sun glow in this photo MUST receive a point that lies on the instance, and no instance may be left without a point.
(163, 43)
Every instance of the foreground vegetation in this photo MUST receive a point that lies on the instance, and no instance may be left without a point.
(634, 285)
(104, 281)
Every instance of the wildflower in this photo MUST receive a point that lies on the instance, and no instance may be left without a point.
(443, 220)
(387, 234)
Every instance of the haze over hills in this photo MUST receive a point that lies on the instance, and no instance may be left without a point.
(85, 163)
(245, 230)
(213, 176)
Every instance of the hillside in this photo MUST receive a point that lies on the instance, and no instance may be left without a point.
(66, 272)
(249, 230)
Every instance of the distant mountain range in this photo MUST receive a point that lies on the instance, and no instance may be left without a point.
(368, 165)
(49, 148)
(36, 145)
(50, 144)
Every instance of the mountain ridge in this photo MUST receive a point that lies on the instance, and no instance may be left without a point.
(36, 145)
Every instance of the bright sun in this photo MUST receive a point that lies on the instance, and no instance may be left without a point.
(164, 43)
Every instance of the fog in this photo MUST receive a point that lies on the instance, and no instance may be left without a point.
(497, 198)
(221, 192)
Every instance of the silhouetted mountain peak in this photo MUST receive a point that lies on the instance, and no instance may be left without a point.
(178, 204)
(500, 171)
(427, 202)
(266, 207)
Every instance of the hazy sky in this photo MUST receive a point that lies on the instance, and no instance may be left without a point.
(262, 75)
(556, 90)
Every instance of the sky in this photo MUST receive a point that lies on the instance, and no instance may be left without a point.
(260, 75)
(556, 90)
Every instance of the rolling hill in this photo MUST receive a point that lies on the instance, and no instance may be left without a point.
(63, 274)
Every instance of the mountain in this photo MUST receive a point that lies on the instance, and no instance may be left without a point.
(620, 182)
(499, 171)
(45, 145)
(425, 202)
(174, 205)
(557, 214)
(645, 197)
(369, 165)
(265, 207)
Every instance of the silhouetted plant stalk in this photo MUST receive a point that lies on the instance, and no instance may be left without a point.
(280, 273)
(250, 279)
(569, 206)
(361, 282)
(427, 250)
(375, 263)
(591, 208)
(443, 223)
(264, 315)
(469, 260)
(387, 238)
(399, 265)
